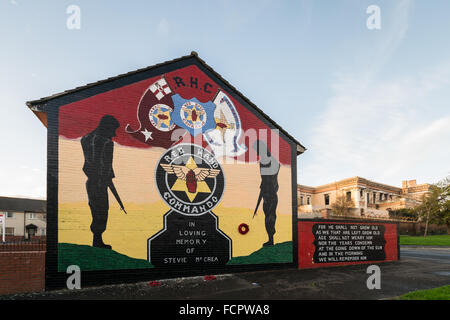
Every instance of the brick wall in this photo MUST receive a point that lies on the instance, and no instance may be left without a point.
(22, 271)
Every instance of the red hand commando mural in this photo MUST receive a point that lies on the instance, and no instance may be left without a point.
(189, 164)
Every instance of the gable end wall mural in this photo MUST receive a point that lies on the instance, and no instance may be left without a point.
(171, 173)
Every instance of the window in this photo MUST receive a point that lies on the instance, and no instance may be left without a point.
(327, 199)
(301, 200)
(308, 200)
(374, 197)
(43, 230)
(10, 214)
(381, 197)
(348, 195)
(32, 215)
(8, 231)
(361, 193)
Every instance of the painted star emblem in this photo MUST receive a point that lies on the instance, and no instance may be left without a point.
(163, 117)
(147, 134)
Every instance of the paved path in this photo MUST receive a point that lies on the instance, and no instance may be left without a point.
(419, 268)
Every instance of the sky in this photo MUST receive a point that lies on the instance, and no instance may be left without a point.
(365, 102)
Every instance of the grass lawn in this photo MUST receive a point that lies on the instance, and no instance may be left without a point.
(441, 293)
(279, 253)
(439, 240)
(89, 258)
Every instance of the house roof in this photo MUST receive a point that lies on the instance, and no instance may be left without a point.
(39, 106)
(22, 205)
(353, 182)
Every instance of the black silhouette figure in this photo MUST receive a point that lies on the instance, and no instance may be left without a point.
(98, 157)
(269, 168)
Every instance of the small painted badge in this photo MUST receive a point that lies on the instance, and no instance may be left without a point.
(159, 116)
(190, 179)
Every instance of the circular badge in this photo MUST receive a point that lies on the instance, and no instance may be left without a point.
(193, 115)
(160, 118)
(190, 179)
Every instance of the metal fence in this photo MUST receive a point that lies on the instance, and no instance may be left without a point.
(23, 245)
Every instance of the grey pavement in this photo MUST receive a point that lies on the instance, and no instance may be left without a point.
(419, 268)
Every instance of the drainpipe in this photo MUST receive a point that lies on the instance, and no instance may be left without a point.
(24, 222)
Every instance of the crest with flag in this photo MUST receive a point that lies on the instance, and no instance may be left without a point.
(155, 117)
(224, 139)
(192, 115)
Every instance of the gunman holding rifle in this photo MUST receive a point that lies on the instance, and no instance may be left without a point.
(269, 168)
(98, 149)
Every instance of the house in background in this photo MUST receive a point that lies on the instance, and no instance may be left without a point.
(24, 217)
(370, 199)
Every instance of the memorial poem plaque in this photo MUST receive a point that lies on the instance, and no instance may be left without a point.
(335, 242)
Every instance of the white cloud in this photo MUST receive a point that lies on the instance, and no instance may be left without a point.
(163, 28)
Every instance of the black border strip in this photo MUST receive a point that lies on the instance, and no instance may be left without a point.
(51, 257)
(295, 235)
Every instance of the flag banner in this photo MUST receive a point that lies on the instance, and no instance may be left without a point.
(160, 89)
(155, 117)
(224, 139)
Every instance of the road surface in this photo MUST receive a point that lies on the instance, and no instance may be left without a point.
(419, 268)
(434, 254)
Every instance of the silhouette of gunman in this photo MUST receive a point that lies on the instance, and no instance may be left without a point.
(98, 156)
(269, 168)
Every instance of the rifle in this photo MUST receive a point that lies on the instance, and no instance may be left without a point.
(116, 195)
(257, 204)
